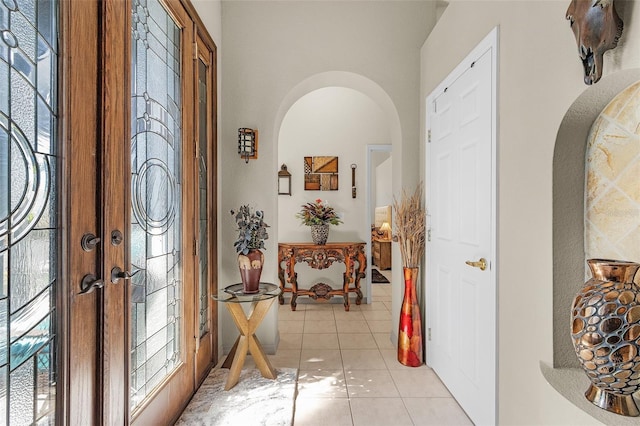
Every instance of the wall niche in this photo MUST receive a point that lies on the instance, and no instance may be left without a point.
(596, 211)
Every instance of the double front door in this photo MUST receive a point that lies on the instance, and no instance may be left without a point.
(107, 210)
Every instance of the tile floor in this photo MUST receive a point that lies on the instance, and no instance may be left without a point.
(348, 372)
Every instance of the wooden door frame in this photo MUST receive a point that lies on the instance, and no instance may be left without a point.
(490, 43)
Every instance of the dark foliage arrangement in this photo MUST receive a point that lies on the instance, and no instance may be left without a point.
(252, 229)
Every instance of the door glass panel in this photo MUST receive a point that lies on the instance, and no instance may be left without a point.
(156, 187)
(204, 211)
(28, 202)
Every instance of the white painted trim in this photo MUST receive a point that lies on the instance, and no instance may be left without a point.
(489, 44)
(369, 200)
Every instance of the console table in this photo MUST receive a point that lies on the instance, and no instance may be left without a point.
(351, 254)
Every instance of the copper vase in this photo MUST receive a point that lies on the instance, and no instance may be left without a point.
(410, 330)
(605, 329)
(250, 266)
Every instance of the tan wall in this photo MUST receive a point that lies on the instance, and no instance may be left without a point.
(540, 76)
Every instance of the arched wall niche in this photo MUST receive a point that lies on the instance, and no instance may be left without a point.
(569, 204)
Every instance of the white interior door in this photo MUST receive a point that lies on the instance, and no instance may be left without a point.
(461, 298)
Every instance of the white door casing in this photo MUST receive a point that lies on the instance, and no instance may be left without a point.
(461, 200)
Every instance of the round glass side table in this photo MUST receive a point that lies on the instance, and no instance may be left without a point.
(247, 342)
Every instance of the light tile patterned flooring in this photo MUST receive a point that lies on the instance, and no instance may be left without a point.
(349, 374)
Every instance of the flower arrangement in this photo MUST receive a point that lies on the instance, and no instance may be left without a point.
(252, 229)
(410, 219)
(318, 213)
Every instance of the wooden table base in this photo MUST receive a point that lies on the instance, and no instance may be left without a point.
(247, 342)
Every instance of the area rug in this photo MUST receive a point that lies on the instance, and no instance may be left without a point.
(378, 278)
(253, 401)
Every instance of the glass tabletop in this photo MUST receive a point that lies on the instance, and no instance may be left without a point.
(234, 293)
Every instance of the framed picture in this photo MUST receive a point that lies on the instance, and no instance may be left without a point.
(321, 173)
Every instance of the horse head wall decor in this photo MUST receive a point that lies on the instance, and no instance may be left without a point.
(597, 28)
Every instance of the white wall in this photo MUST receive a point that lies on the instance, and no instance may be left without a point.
(540, 76)
(272, 47)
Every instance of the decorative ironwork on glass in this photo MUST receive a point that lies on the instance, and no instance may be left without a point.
(156, 186)
(28, 222)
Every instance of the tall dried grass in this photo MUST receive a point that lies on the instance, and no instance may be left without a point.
(410, 220)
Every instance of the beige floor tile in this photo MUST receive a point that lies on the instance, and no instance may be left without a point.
(436, 412)
(287, 305)
(380, 326)
(376, 305)
(285, 358)
(384, 340)
(320, 359)
(388, 305)
(355, 326)
(370, 384)
(377, 315)
(290, 341)
(418, 382)
(322, 384)
(339, 307)
(379, 412)
(319, 327)
(352, 315)
(320, 341)
(287, 314)
(319, 306)
(291, 327)
(357, 341)
(362, 359)
(322, 412)
(323, 315)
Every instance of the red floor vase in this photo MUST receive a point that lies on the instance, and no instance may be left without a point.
(410, 332)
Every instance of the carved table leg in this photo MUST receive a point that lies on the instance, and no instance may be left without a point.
(294, 296)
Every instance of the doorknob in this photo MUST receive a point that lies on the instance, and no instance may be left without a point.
(482, 263)
(89, 283)
(118, 274)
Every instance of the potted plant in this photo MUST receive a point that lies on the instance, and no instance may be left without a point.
(252, 231)
(410, 220)
(318, 215)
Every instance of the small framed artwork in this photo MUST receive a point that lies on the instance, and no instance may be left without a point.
(321, 173)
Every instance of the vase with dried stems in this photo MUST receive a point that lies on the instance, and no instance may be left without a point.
(410, 220)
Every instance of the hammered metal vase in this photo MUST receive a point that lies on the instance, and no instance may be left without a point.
(605, 329)
(410, 327)
(319, 234)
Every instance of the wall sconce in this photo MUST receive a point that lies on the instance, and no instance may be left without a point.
(386, 229)
(284, 181)
(248, 144)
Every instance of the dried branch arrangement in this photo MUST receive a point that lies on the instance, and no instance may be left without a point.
(410, 219)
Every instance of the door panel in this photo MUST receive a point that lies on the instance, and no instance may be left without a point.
(462, 347)
(29, 222)
(207, 312)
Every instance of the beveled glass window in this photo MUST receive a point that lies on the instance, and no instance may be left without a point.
(28, 205)
(156, 187)
(204, 208)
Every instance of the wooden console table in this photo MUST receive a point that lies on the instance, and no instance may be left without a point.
(321, 257)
